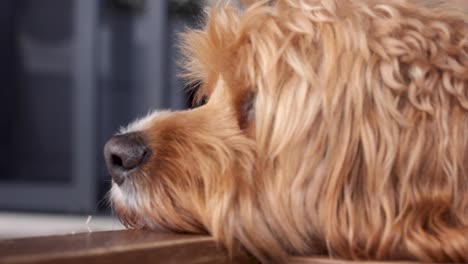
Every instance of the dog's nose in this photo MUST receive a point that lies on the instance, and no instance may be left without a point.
(123, 154)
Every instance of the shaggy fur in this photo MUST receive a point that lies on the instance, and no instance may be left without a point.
(335, 127)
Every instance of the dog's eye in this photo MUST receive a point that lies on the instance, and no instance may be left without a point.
(204, 100)
(200, 102)
(247, 110)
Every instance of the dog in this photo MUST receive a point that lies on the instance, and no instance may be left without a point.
(325, 127)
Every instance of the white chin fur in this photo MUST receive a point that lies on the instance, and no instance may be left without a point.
(141, 124)
(125, 197)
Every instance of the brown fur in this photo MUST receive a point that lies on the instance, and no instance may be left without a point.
(355, 143)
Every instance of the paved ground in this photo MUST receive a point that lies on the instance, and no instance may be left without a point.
(16, 225)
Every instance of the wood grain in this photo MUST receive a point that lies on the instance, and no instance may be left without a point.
(130, 246)
(127, 246)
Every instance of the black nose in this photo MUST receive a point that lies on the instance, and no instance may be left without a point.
(124, 154)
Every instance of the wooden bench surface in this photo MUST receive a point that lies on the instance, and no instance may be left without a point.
(125, 246)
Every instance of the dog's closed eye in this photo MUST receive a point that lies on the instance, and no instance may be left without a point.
(203, 100)
(246, 110)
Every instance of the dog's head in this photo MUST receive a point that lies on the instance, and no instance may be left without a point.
(180, 171)
(317, 120)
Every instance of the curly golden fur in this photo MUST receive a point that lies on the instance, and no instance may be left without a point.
(335, 127)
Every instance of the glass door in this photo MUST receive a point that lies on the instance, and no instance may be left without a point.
(47, 104)
(72, 72)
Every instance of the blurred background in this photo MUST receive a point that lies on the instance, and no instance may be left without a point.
(72, 72)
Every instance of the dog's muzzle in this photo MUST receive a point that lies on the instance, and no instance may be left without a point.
(125, 154)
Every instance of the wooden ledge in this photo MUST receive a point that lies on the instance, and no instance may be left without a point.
(324, 260)
(129, 246)
(126, 246)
